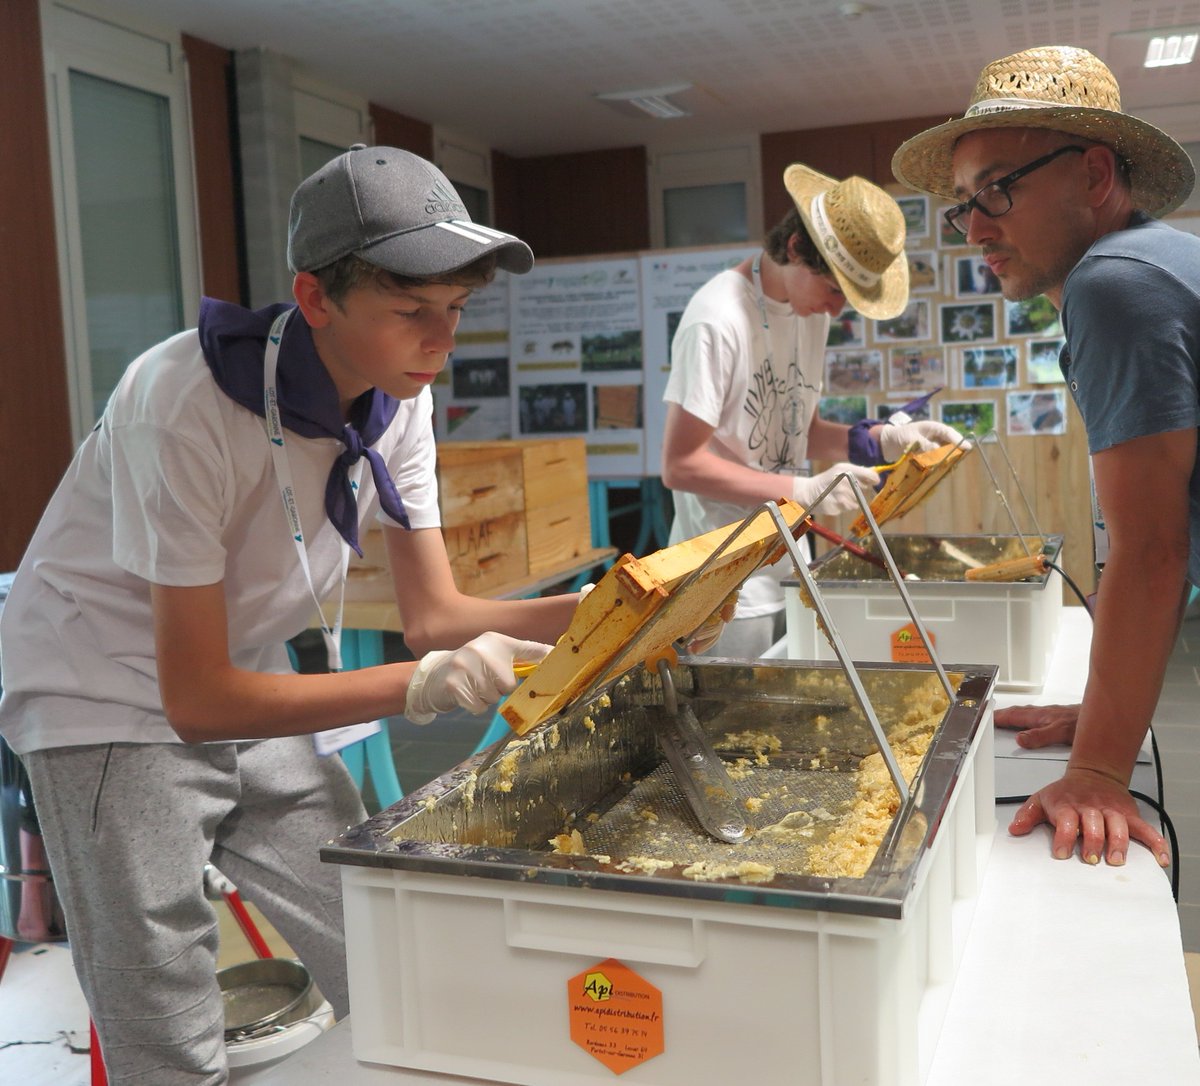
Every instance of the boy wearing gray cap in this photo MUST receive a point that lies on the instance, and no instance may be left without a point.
(202, 523)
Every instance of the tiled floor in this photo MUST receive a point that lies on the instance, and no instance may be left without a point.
(43, 1020)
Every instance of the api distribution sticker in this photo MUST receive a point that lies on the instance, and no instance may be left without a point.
(907, 647)
(615, 1015)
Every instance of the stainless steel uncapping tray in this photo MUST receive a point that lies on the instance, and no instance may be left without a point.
(577, 769)
(932, 559)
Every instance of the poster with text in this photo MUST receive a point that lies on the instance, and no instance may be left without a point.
(669, 279)
(575, 326)
(472, 397)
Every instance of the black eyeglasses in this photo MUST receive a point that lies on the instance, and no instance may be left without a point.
(994, 199)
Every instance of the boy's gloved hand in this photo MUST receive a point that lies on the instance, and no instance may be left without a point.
(895, 440)
(806, 488)
(472, 678)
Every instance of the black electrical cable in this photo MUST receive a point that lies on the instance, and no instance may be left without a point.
(1071, 584)
(1163, 818)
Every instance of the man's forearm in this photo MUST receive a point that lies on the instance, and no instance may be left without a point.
(1137, 619)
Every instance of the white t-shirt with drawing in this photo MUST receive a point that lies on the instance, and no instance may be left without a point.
(758, 392)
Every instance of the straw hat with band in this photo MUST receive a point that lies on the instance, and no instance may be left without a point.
(1065, 89)
(859, 231)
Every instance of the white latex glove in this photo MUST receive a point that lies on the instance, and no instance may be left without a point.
(806, 488)
(895, 440)
(710, 630)
(472, 678)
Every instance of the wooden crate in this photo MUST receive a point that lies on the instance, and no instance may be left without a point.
(510, 509)
(558, 523)
(482, 498)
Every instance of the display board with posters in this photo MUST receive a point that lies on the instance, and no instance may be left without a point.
(575, 336)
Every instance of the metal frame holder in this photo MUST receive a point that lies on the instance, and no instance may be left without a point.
(788, 536)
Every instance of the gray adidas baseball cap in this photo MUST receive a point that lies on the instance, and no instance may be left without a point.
(395, 210)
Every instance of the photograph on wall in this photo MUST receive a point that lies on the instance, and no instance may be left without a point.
(479, 378)
(971, 418)
(922, 271)
(847, 329)
(553, 408)
(1031, 317)
(916, 368)
(885, 411)
(672, 318)
(1037, 413)
(989, 367)
(545, 352)
(973, 278)
(912, 324)
(1041, 361)
(916, 214)
(971, 322)
(613, 351)
(490, 420)
(853, 371)
(617, 407)
(844, 409)
(948, 237)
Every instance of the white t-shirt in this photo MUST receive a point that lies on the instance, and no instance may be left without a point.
(759, 397)
(175, 486)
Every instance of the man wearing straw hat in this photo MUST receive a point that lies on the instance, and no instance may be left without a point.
(747, 363)
(1060, 189)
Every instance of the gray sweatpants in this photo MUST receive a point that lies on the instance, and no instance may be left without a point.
(128, 829)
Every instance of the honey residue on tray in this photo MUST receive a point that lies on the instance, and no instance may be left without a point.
(745, 871)
(569, 844)
(646, 864)
(760, 742)
(850, 848)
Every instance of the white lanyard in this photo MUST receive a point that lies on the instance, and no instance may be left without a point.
(283, 476)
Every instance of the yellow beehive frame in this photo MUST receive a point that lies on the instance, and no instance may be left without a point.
(611, 628)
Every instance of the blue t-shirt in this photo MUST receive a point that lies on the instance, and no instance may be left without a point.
(1131, 317)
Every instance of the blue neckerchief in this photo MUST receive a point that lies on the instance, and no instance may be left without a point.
(233, 338)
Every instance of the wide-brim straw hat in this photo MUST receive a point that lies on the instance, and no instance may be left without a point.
(859, 231)
(1065, 89)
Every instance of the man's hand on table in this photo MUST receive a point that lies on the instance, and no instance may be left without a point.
(1096, 810)
(1039, 725)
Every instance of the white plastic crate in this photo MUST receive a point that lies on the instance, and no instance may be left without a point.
(1012, 625)
(468, 975)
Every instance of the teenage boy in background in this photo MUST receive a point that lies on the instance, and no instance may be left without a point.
(147, 684)
(1059, 187)
(747, 366)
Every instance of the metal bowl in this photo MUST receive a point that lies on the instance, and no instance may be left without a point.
(264, 995)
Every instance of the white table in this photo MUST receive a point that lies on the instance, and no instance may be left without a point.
(1071, 975)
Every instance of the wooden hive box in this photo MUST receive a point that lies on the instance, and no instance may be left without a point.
(558, 523)
(510, 509)
(482, 497)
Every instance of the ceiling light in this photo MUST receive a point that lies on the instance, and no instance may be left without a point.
(1171, 49)
(652, 101)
